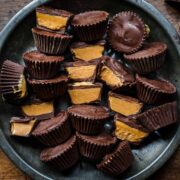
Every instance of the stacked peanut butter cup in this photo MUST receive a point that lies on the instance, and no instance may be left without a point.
(101, 90)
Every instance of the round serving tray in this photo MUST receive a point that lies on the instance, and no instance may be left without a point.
(16, 38)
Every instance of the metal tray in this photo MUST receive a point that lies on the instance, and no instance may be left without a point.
(16, 38)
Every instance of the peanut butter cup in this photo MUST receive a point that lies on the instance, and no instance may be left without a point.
(12, 81)
(95, 147)
(127, 32)
(159, 117)
(85, 92)
(35, 108)
(150, 58)
(90, 25)
(88, 119)
(114, 74)
(53, 131)
(22, 126)
(83, 51)
(127, 128)
(154, 91)
(50, 88)
(41, 66)
(62, 156)
(50, 42)
(82, 71)
(118, 161)
(124, 105)
(52, 19)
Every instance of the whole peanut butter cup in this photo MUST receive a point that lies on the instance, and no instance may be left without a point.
(50, 88)
(88, 119)
(118, 161)
(127, 32)
(150, 58)
(154, 91)
(53, 131)
(62, 156)
(50, 42)
(41, 66)
(95, 147)
(90, 25)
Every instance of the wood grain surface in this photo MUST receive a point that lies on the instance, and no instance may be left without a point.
(8, 171)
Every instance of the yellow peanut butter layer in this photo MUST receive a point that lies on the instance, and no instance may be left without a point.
(124, 106)
(108, 76)
(88, 53)
(52, 22)
(125, 132)
(38, 109)
(82, 72)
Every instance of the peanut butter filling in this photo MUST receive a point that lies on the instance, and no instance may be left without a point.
(125, 132)
(88, 53)
(84, 95)
(22, 128)
(109, 77)
(82, 72)
(52, 22)
(124, 106)
(38, 109)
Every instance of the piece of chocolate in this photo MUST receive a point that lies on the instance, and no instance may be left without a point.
(53, 131)
(127, 128)
(52, 19)
(51, 42)
(154, 91)
(50, 88)
(41, 66)
(35, 108)
(62, 156)
(88, 119)
(114, 74)
(12, 81)
(126, 32)
(95, 147)
(87, 51)
(82, 71)
(90, 25)
(124, 105)
(85, 92)
(118, 161)
(159, 117)
(150, 58)
(22, 126)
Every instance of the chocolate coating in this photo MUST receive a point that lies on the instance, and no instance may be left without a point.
(126, 32)
(89, 111)
(90, 17)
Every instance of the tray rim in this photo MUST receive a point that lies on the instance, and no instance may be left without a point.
(175, 141)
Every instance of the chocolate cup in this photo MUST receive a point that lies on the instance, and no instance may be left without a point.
(91, 32)
(65, 159)
(92, 150)
(111, 34)
(118, 161)
(42, 69)
(49, 42)
(56, 135)
(49, 89)
(11, 75)
(159, 117)
(150, 94)
(87, 125)
(145, 65)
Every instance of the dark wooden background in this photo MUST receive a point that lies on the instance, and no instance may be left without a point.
(8, 171)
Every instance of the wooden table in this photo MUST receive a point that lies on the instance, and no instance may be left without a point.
(8, 171)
